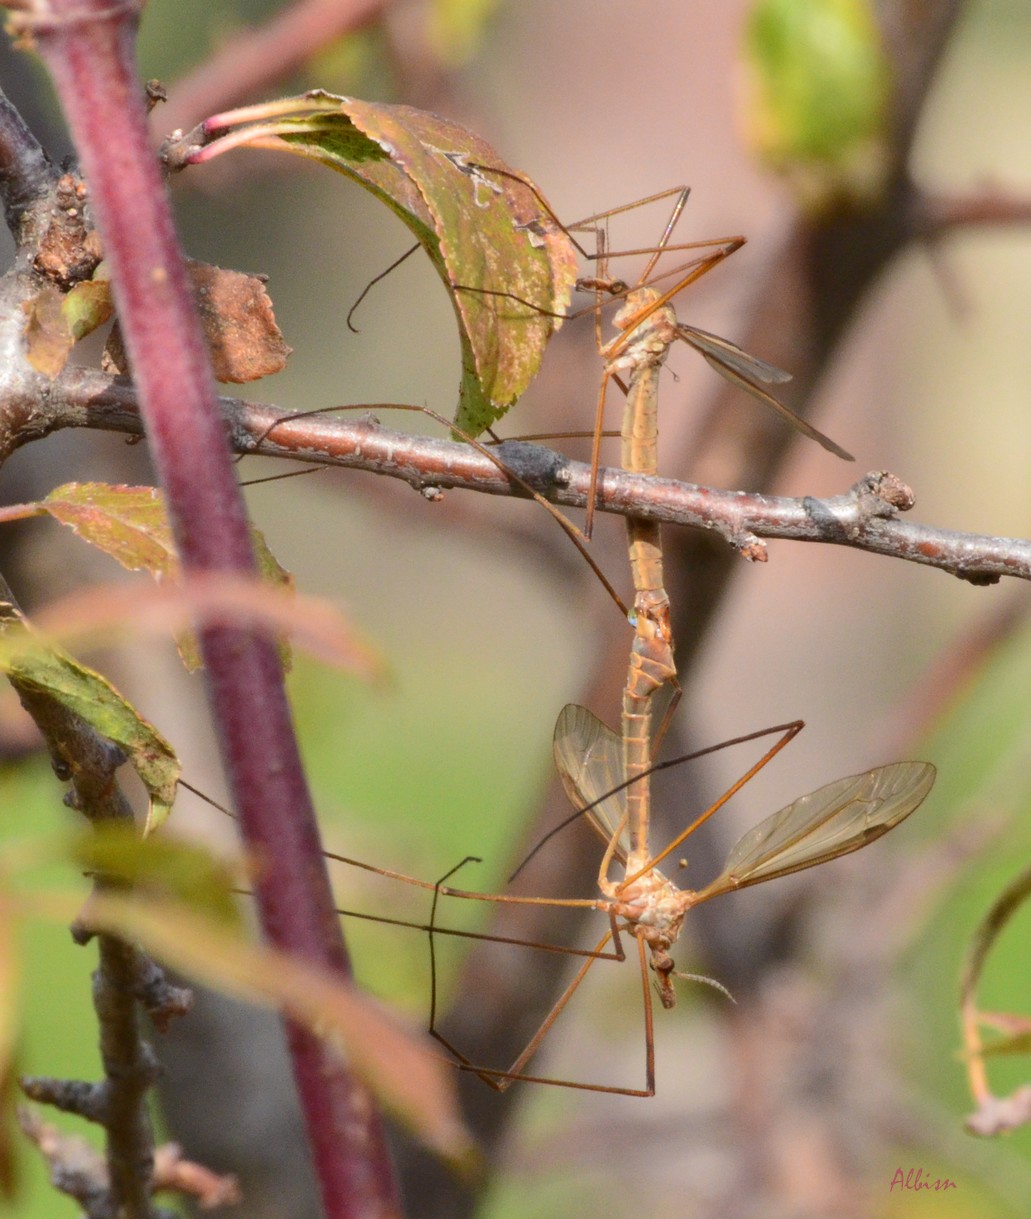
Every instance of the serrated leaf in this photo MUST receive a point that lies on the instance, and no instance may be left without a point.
(128, 523)
(131, 525)
(485, 231)
(33, 663)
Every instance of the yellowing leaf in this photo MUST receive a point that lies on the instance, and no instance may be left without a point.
(34, 664)
(484, 227)
(130, 524)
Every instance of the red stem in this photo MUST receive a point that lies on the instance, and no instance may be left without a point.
(89, 47)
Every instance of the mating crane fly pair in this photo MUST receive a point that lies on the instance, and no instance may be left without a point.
(607, 775)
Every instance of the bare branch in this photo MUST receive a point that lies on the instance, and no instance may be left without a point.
(118, 1103)
(26, 174)
(865, 518)
(990, 207)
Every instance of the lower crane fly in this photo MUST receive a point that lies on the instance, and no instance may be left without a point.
(646, 905)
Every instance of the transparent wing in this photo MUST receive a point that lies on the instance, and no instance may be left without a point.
(726, 352)
(834, 820)
(744, 370)
(589, 760)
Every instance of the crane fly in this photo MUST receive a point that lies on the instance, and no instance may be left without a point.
(643, 300)
(834, 820)
(648, 326)
(831, 821)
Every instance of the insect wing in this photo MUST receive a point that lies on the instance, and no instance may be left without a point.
(743, 370)
(589, 760)
(831, 821)
(725, 352)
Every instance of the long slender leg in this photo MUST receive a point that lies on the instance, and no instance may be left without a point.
(649, 1026)
(599, 417)
(501, 1080)
(578, 903)
(574, 534)
(788, 734)
(590, 224)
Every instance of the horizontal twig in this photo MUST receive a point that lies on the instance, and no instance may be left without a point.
(866, 517)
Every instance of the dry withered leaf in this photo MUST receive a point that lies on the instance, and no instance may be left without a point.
(244, 342)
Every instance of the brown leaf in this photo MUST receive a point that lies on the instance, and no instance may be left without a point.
(243, 340)
(47, 338)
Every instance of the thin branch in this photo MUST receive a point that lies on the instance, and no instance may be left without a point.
(991, 207)
(118, 1103)
(864, 518)
(26, 174)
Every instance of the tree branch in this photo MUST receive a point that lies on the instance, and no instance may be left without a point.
(118, 1103)
(26, 174)
(864, 518)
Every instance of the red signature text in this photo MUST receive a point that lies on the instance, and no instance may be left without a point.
(914, 1179)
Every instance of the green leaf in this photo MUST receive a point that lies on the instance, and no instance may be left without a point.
(86, 306)
(34, 664)
(817, 104)
(483, 225)
(57, 320)
(160, 866)
(455, 28)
